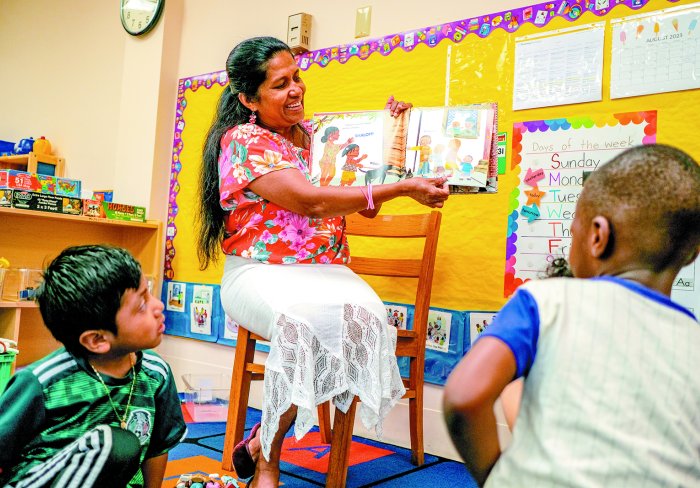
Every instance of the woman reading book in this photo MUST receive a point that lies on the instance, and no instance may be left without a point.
(285, 248)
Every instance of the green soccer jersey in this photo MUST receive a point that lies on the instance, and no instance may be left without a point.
(55, 400)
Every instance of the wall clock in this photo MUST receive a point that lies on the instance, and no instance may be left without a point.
(140, 16)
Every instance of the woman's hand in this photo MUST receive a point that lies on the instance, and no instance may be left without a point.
(396, 107)
(431, 192)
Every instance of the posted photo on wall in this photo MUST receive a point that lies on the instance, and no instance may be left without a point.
(439, 324)
(176, 297)
(202, 294)
(201, 306)
(357, 148)
(200, 318)
(397, 316)
(230, 328)
(479, 322)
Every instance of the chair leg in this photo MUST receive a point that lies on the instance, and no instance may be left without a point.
(415, 412)
(324, 421)
(238, 398)
(340, 447)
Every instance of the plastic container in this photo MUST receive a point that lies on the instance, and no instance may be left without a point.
(207, 396)
(20, 284)
(6, 360)
(7, 148)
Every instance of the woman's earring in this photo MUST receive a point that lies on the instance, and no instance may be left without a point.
(252, 118)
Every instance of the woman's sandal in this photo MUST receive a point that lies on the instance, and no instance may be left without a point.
(243, 462)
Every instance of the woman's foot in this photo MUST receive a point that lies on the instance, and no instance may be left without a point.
(246, 453)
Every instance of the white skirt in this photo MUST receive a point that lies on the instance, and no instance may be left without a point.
(329, 340)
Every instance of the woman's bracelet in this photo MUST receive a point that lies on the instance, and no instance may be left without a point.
(367, 192)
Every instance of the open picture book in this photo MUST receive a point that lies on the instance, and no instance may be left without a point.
(359, 148)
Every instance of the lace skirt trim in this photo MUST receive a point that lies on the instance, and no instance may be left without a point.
(301, 371)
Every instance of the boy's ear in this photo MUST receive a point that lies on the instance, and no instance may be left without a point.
(95, 341)
(600, 239)
(693, 256)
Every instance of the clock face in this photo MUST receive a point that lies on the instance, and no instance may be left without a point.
(140, 16)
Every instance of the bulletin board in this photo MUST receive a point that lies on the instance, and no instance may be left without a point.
(465, 62)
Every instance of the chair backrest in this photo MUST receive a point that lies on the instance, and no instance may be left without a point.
(426, 226)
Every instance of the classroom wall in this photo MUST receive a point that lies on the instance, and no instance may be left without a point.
(106, 101)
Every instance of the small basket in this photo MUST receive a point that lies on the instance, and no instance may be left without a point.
(6, 361)
(207, 397)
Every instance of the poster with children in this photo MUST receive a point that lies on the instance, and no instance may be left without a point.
(454, 142)
(200, 308)
(358, 148)
(552, 158)
(397, 315)
(176, 297)
(479, 322)
(439, 325)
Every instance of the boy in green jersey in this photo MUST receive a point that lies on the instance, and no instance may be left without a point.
(103, 410)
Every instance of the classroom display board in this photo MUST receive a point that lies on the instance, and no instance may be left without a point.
(484, 238)
(553, 156)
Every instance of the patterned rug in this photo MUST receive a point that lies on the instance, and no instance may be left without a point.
(305, 462)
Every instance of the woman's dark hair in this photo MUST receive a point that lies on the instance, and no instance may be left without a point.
(83, 289)
(246, 68)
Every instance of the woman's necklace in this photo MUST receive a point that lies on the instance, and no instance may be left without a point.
(122, 420)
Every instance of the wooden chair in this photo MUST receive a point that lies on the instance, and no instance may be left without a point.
(411, 343)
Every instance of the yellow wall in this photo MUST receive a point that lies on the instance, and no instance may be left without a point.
(470, 267)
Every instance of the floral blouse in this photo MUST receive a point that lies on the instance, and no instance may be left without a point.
(259, 229)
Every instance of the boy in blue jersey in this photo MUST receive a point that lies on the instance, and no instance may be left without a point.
(611, 392)
(103, 410)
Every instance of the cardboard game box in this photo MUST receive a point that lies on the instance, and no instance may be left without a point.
(42, 202)
(22, 180)
(93, 208)
(121, 211)
(5, 198)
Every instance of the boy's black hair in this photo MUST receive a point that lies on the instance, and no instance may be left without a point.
(651, 194)
(83, 289)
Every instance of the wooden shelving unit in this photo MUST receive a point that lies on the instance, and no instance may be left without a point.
(31, 161)
(31, 239)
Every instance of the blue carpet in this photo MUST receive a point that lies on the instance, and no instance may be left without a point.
(386, 465)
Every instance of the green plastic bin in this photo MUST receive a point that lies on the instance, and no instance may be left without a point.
(6, 360)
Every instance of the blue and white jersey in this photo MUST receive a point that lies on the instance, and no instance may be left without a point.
(612, 386)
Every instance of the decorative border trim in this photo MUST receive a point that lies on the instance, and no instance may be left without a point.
(192, 83)
(509, 20)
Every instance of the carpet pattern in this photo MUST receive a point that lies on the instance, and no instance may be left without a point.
(305, 462)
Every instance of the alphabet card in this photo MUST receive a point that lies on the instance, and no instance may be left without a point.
(552, 157)
(439, 325)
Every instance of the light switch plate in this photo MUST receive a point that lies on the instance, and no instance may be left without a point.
(363, 19)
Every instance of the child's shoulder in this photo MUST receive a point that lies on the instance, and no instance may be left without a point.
(54, 366)
(154, 365)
